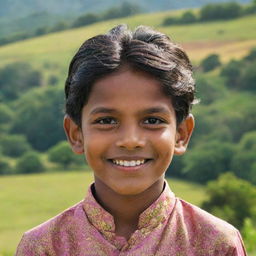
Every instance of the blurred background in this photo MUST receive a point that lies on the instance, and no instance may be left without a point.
(39, 174)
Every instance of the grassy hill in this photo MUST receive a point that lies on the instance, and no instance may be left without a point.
(230, 39)
(27, 201)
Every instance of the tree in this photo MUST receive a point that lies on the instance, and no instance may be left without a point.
(30, 163)
(220, 11)
(86, 19)
(207, 161)
(40, 117)
(187, 17)
(231, 199)
(248, 77)
(210, 62)
(244, 161)
(14, 145)
(62, 154)
(232, 72)
(17, 78)
(5, 168)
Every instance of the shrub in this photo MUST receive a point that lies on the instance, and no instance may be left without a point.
(85, 20)
(14, 145)
(207, 161)
(219, 11)
(5, 168)
(225, 197)
(62, 154)
(210, 62)
(170, 21)
(187, 17)
(6, 114)
(232, 72)
(30, 163)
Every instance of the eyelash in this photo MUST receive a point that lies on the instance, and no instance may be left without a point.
(99, 121)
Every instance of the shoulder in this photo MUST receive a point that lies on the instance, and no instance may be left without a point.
(205, 228)
(40, 238)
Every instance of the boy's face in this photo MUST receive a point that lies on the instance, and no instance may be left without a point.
(128, 132)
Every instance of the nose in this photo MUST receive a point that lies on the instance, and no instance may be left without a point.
(130, 138)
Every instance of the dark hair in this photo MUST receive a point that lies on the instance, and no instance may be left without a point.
(144, 49)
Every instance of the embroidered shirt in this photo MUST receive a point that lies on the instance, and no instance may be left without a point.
(169, 227)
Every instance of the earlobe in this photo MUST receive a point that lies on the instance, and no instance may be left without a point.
(184, 132)
(74, 135)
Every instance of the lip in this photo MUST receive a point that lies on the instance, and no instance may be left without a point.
(130, 169)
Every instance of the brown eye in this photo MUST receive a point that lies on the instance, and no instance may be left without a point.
(153, 120)
(106, 120)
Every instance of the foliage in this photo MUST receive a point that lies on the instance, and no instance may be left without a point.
(210, 62)
(241, 74)
(6, 114)
(249, 235)
(220, 11)
(62, 154)
(86, 19)
(5, 167)
(30, 163)
(231, 199)
(187, 17)
(209, 90)
(17, 78)
(14, 145)
(244, 161)
(207, 161)
(42, 117)
(232, 72)
(124, 10)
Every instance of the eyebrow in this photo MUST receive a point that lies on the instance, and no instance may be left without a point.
(152, 110)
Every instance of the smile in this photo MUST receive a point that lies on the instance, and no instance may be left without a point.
(129, 163)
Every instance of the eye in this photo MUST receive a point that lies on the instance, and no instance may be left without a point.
(106, 120)
(153, 120)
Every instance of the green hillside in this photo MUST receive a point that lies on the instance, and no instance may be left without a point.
(231, 39)
(27, 201)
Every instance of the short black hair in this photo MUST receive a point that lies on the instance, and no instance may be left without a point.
(144, 49)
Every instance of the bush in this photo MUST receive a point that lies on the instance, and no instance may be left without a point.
(232, 72)
(244, 161)
(14, 145)
(42, 117)
(248, 77)
(30, 163)
(207, 161)
(5, 168)
(17, 78)
(210, 62)
(226, 196)
(222, 11)
(62, 154)
(170, 21)
(187, 17)
(6, 114)
(85, 20)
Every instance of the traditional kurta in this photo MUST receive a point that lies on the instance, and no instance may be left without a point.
(170, 226)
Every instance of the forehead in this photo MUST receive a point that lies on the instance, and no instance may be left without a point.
(128, 89)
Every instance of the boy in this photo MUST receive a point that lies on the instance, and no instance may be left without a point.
(128, 100)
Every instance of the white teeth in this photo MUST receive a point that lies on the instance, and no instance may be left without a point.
(129, 163)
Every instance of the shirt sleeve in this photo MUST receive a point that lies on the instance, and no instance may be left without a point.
(29, 247)
(239, 249)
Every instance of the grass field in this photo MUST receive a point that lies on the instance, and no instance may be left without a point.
(27, 201)
(230, 39)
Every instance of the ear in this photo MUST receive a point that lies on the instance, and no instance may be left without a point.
(74, 135)
(183, 134)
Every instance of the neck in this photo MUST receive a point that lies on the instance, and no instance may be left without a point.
(126, 209)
